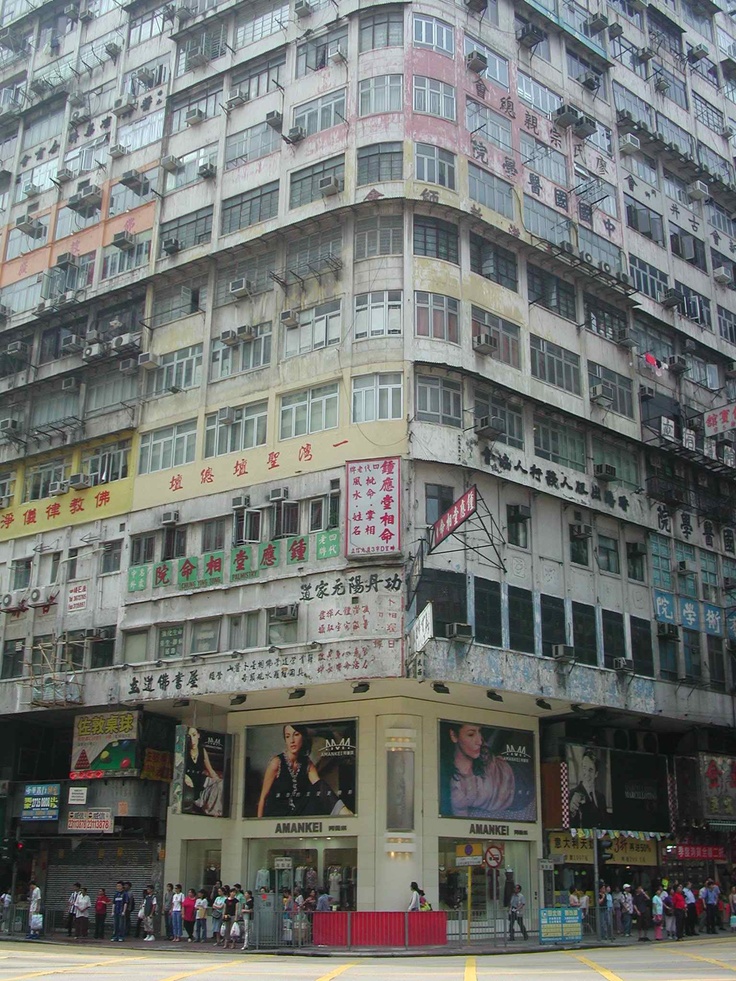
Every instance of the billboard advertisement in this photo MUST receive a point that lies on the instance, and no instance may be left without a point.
(486, 772)
(202, 768)
(301, 768)
(105, 745)
(614, 789)
(589, 780)
(718, 780)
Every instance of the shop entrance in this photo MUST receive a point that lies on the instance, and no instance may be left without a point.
(305, 864)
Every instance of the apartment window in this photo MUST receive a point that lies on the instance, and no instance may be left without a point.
(434, 97)
(488, 616)
(313, 55)
(544, 160)
(244, 631)
(517, 532)
(614, 642)
(54, 568)
(148, 129)
(555, 365)
(229, 359)
(305, 184)
(213, 534)
(377, 397)
(251, 144)
(189, 230)
(146, 26)
(142, 549)
(647, 279)
(498, 66)
(317, 328)
(521, 619)
(439, 400)
(603, 319)
(170, 446)
(435, 165)
(382, 235)
(694, 305)
(205, 637)
(116, 261)
(687, 582)
(436, 316)
(176, 370)
(250, 208)
(716, 664)
(496, 407)
(19, 242)
(559, 442)
(107, 463)
(260, 20)
(641, 166)
(284, 519)
(322, 113)
(309, 411)
(324, 512)
(641, 646)
(438, 498)
(580, 69)
(541, 98)
(607, 555)
(112, 553)
(709, 575)
(382, 93)
(691, 652)
(436, 239)
(381, 29)
(727, 324)
(380, 162)
(505, 334)
(102, 650)
(489, 125)
(644, 220)
(377, 314)
(553, 623)
(635, 561)
(242, 429)
(687, 247)
(210, 42)
(491, 191)
(661, 561)
(246, 526)
(619, 386)
(493, 262)
(668, 659)
(429, 32)
(174, 544)
(71, 564)
(584, 634)
(579, 547)
(13, 654)
(551, 292)
(21, 573)
(124, 198)
(39, 479)
(172, 302)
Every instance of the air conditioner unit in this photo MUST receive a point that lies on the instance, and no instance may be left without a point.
(645, 54)
(729, 584)
(476, 62)
(697, 53)
(171, 164)
(662, 85)
(240, 502)
(567, 116)
(112, 49)
(196, 58)
(728, 132)
(285, 613)
(518, 513)
(71, 11)
(636, 548)
(85, 14)
(79, 117)
(78, 481)
(296, 134)
(237, 98)
(124, 105)
(64, 299)
(628, 144)
(148, 361)
(595, 24)
(685, 568)
(624, 338)
(459, 631)
(241, 287)
(93, 336)
(58, 487)
(302, 8)
(17, 349)
(289, 318)
(476, 6)
(246, 333)
(278, 494)
(623, 665)
(29, 226)
(171, 246)
(586, 126)
(230, 337)
(64, 175)
(226, 416)
(563, 652)
(604, 471)
(194, 117)
(530, 35)
(4, 503)
(128, 366)
(722, 275)
(170, 518)
(118, 150)
(70, 345)
(335, 51)
(601, 394)
(668, 631)
(671, 298)
(66, 260)
(488, 427)
(677, 364)
(275, 119)
(590, 81)
(125, 241)
(123, 341)
(135, 181)
(94, 351)
(207, 171)
(485, 344)
(31, 190)
(147, 76)
(698, 191)
(105, 633)
(9, 425)
(578, 532)
(328, 186)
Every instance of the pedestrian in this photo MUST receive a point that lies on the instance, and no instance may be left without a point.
(247, 910)
(218, 907)
(35, 918)
(230, 914)
(119, 910)
(129, 907)
(669, 914)
(200, 917)
(691, 916)
(573, 900)
(177, 899)
(71, 905)
(678, 901)
(712, 893)
(188, 913)
(215, 892)
(516, 913)
(618, 900)
(609, 912)
(658, 913)
(641, 905)
(168, 893)
(6, 901)
(101, 904)
(323, 902)
(627, 910)
(603, 913)
(81, 914)
(149, 906)
(414, 901)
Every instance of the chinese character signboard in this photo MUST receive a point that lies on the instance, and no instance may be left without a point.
(201, 772)
(456, 515)
(105, 745)
(718, 776)
(77, 598)
(719, 420)
(701, 853)
(560, 925)
(171, 641)
(373, 506)
(98, 821)
(41, 802)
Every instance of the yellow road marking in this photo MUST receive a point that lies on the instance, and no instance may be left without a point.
(699, 957)
(191, 974)
(332, 974)
(108, 962)
(603, 971)
(470, 972)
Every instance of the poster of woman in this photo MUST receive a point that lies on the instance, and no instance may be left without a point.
(486, 772)
(300, 768)
(202, 772)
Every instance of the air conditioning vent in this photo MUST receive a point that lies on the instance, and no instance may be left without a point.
(241, 287)
(230, 337)
(148, 361)
(671, 298)
(698, 191)
(207, 171)
(171, 164)
(278, 494)
(302, 8)
(602, 394)
(17, 349)
(459, 631)
(236, 100)
(677, 364)
(29, 226)
(296, 134)
(93, 352)
(697, 53)
(489, 427)
(476, 62)
(722, 275)
(530, 35)
(226, 416)
(171, 246)
(64, 175)
(194, 117)
(595, 24)
(567, 115)
(590, 81)
(623, 665)
(246, 333)
(485, 344)
(328, 186)
(170, 518)
(118, 150)
(579, 532)
(241, 501)
(135, 181)
(604, 471)
(58, 487)
(586, 126)
(124, 241)
(9, 425)
(563, 652)
(628, 144)
(289, 318)
(285, 613)
(124, 105)
(275, 119)
(335, 51)
(78, 481)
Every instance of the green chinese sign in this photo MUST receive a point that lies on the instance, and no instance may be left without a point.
(171, 641)
(328, 544)
(137, 578)
(241, 563)
(297, 550)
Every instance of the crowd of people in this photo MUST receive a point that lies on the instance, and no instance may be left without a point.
(675, 910)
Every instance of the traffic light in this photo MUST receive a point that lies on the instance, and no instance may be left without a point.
(605, 853)
(6, 850)
(19, 847)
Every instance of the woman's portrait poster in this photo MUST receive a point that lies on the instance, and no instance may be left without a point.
(202, 762)
(486, 772)
(300, 768)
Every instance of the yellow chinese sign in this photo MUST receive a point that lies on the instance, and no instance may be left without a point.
(105, 745)
(574, 851)
(624, 851)
(632, 851)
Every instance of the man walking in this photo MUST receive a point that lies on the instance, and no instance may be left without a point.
(71, 909)
(516, 913)
(149, 911)
(119, 909)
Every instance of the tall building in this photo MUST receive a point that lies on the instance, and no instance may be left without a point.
(315, 313)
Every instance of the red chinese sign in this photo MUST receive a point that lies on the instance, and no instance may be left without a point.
(463, 508)
(705, 853)
(720, 420)
(373, 506)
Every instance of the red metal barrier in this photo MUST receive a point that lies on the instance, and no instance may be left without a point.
(330, 929)
(371, 929)
(375, 929)
(427, 929)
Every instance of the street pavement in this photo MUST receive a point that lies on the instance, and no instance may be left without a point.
(700, 959)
